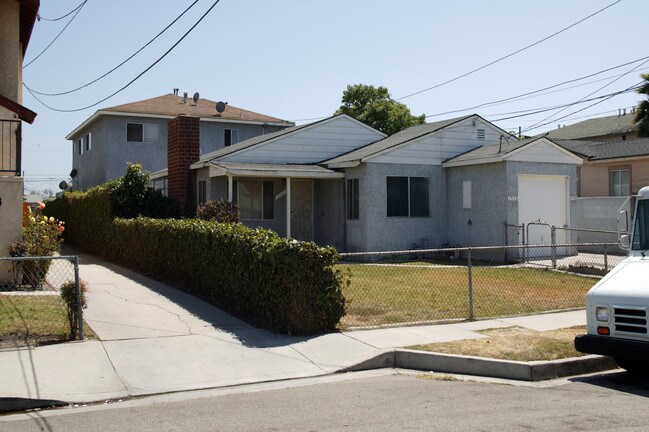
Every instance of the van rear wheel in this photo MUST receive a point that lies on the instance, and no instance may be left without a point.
(634, 366)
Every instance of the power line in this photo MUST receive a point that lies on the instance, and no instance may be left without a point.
(57, 36)
(588, 95)
(122, 63)
(605, 97)
(510, 54)
(61, 17)
(134, 79)
(520, 96)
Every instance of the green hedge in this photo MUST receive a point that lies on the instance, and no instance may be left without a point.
(283, 285)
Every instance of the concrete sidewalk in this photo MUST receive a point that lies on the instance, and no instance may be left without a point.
(155, 339)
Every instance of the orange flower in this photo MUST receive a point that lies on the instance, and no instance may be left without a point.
(41, 205)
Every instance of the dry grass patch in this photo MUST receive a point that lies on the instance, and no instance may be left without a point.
(391, 294)
(514, 343)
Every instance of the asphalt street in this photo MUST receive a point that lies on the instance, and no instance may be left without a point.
(386, 400)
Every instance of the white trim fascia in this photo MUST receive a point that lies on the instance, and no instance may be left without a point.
(256, 122)
(220, 171)
(350, 164)
(482, 160)
(159, 174)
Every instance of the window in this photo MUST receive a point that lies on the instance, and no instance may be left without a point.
(160, 184)
(408, 197)
(352, 199)
(202, 192)
(231, 137)
(256, 199)
(620, 185)
(80, 147)
(87, 142)
(138, 132)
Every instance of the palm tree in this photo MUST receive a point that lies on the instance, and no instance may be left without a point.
(641, 118)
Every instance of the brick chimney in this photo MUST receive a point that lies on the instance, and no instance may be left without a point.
(183, 149)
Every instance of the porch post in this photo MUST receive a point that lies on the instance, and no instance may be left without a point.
(229, 188)
(288, 207)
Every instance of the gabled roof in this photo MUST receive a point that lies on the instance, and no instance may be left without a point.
(399, 138)
(608, 150)
(170, 106)
(502, 151)
(601, 126)
(252, 142)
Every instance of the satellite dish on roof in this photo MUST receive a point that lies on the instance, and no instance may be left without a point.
(63, 185)
(73, 173)
(195, 97)
(220, 107)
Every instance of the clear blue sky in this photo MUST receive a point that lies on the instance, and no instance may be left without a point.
(293, 59)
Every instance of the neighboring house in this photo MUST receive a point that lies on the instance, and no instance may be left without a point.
(342, 183)
(611, 128)
(17, 18)
(137, 132)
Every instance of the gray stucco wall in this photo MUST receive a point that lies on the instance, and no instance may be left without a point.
(375, 231)
(488, 205)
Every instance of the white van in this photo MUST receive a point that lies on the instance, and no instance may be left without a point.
(617, 305)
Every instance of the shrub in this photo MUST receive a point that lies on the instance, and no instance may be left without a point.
(69, 296)
(218, 211)
(131, 197)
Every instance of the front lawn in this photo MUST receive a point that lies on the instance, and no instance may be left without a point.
(390, 294)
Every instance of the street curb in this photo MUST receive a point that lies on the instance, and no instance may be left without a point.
(480, 366)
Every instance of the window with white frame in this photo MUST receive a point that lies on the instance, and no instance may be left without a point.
(408, 197)
(231, 137)
(620, 182)
(256, 199)
(352, 199)
(87, 142)
(139, 132)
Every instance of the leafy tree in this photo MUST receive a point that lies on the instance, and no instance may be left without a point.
(131, 197)
(374, 107)
(641, 118)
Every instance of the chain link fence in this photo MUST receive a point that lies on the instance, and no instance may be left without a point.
(422, 286)
(32, 309)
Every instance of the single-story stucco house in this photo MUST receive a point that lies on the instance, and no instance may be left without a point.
(340, 182)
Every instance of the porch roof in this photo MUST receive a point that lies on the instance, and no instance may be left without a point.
(218, 169)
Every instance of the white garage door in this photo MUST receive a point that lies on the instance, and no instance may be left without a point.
(543, 198)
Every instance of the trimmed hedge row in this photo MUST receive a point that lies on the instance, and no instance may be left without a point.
(283, 285)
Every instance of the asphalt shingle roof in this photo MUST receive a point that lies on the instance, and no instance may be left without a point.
(501, 148)
(607, 150)
(595, 127)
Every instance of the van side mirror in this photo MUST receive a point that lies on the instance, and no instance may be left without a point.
(623, 221)
(625, 241)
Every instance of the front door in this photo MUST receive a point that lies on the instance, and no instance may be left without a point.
(302, 210)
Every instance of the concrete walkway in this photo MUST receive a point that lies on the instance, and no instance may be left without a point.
(155, 339)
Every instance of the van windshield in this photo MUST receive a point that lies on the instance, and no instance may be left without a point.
(641, 227)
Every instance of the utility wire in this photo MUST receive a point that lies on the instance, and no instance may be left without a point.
(510, 54)
(539, 90)
(604, 97)
(134, 79)
(588, 95)
(57, 36)
(122, 63)
(61, 17)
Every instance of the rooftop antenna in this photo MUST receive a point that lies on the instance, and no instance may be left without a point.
(220, 107)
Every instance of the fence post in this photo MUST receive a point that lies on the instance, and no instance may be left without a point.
(77, 288)
(553, 237)
(470, 285)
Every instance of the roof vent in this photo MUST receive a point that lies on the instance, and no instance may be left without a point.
(185, 97)
(175, 92)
